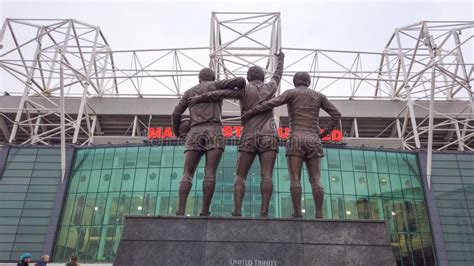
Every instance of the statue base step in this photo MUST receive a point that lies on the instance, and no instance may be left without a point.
(170, 240)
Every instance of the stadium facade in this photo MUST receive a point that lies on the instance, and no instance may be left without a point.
(86, 140)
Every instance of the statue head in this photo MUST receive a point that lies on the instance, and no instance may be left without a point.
(301, 79)
(255, 73)
(206, 74)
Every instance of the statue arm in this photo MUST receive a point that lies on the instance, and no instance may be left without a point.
(217, 95)
(231, 84)
(277, 75)
(268, 105)
(329, 107)
(178, 113)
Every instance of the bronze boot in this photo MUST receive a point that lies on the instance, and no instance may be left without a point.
(184, 188)
(239, 193)
(266, 188)
(296, 200)
(208, 190)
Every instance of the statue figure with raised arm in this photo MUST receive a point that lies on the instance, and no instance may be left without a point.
(204, 137)
(259, 135)
(304, 142)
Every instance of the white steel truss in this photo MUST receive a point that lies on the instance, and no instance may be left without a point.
(422, 64)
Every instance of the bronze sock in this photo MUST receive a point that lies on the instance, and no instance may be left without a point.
(318, 195)
(184, 189)
(266, 189)
(296, 200)
(208, 187)
(239, 193)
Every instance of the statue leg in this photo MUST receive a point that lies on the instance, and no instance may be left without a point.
(267, 163)
(294, 168)
(191, 161)
(213, 158)
(314, 173)
(244, 162)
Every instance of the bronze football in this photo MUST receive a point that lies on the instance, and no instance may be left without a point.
(184, 127)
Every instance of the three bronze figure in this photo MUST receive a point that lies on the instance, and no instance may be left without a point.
(259, 136)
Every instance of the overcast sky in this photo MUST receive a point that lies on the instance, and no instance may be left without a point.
(364, 26)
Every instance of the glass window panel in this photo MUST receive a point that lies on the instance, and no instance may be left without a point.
(99, 209)
(136, 205)
(104, 180)
(116, 181)
(165, 179)
(104, 252)
(385, 188)
(324, 181)
(124, 206)
(48, 159)
(334, 162)
(143, 156)
(175, 177)
(168, 156)
(284, 180)
(108, 160)
(396, 186)
(392, 163)
(403, 163)
(153, 175)
(131, 157)
(83, 183)
(382, 165)
(227, 183)
(337, 206)
(94, 181)
(323, 163)
(351, 207)
(370, 161)
(149, 204)
(93, 243)
(47, 166)
(358, 160)
(376, 208)
(140, 180)
(88, 159)
(361, 183)
(98, 158)
(89, 208)
(119, 157)
(348, 183)
(346, 160)
(128, 179)
(112, 208)
(407, 187)
(155, 156)
(286, 209)
(335, 183)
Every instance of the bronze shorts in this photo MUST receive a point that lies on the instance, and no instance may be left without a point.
(308, 146)
(258, 143)
(204, 138)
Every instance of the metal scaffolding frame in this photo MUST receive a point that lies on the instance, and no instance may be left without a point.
(50, 59)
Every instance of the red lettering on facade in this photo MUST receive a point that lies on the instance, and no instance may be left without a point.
(236, 131)
(154, 132)
(227, 131)
(167, 133)
(283, 132)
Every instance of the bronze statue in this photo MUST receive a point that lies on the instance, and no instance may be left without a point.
(204, 137)
(304, 142)
(259, 135)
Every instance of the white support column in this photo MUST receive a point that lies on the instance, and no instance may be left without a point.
(62, 112)
(354, 128)
(408, 92)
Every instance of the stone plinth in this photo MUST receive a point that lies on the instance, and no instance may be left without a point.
(165, 240)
